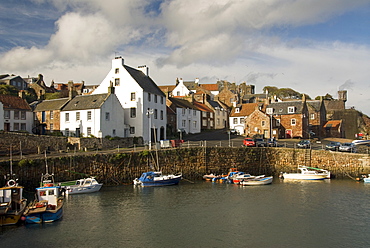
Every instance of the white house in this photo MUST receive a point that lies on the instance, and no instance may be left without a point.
(143, 102)
(188, 116)
(238, 115)
(18, 115)
(98, 115)
(181, 89)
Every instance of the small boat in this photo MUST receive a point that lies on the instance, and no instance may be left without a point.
(241, 176)
(85, 185)
(258, 180)
(156, 178)
(210, 177)
(12, 202)
(366, 178)
(307, 173)
(48, 205)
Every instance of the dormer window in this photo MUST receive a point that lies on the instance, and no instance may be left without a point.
(290, 110)
(237, 110)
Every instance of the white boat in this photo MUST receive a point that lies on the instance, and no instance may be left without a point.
(85, 185)
(307, 173)
(258, 180)
(366, 178)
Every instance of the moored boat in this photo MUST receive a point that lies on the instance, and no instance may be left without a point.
(48, 205)
(85, 185)
(12, 203)
(156, 178)
(307, 173)
(258, 180)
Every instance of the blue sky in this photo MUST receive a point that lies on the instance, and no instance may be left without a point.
(312, 46)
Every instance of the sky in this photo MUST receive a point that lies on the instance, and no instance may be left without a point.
(312, 46)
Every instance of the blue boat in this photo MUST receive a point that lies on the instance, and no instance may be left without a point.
(48, 205)
(155, 178)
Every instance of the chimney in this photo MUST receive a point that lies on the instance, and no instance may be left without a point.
(22, 94)
(111, 88)
(144, 69)
(342, 95)
(71, 90)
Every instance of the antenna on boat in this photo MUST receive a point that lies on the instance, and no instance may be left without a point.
(11, 162)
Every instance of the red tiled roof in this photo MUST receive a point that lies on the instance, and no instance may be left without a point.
(333, 123)
(14, 102)
(202, 107)
(245, 110)
(211, 87)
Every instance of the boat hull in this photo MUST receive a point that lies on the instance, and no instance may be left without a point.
(165, 182)
(44, 217)
(255, 182)
(299, 176)
(71, 190)
(366, 180)
(10, 219)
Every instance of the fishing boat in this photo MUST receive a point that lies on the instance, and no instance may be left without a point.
(12, 202)
(156, 178)
(85, 185)
(48, 205)
(258, 180)
(307, 173)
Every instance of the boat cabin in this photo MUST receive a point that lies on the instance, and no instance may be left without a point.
(10, 197)
(49, 194)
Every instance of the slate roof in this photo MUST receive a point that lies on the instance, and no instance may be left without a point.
(14, 102)
(315, 104)
(145, 82)
(181, 103)
(281, 108)
(215, 104)
(48, 105)
(86, 102)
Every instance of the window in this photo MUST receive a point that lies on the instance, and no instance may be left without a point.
(194, 112)
(133, 112)
(237, 110)
(133, 96)
(161, 99)
(88, 131)
(290, 109)
(6, 114)
(67, 117)
(178, 93)
(77, 116)
(149, 97)
(263, 123)
(51, 127)
(89, 115)
(183, 123)
(211, 115)
(16, 115)
(116, 82)
(155, 113)
(23, 126)
(155, 98)
(235, 120)
(67, 132)
(107, 116)
(23, 115)
(132, 130)
(183, 111)
(277, 122)
(51, 115)
(43, 116)
(195, 124)
(312, 116)
(114, 132)
(116, 71)
(16, 126)
(161, 114)
(218, 121)
(242, 120)
(293, 122)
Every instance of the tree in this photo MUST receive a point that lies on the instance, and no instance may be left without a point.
(326, 97)
(8, 90)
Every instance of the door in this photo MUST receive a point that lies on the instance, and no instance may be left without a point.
(288, 134)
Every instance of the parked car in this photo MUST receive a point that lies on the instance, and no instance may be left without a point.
(272, 142)
(260, 142)
(304, 144)
(332, 146)
(249, 142)
(347, 147)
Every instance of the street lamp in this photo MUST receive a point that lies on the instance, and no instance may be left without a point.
(149, 113)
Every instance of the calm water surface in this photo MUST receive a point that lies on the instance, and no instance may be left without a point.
(334, 213)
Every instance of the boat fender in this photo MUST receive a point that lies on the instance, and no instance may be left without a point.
(11, 183)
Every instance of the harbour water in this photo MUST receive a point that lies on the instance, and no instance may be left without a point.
(333, 213)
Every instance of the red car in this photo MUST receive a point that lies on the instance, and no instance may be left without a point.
(249, 142)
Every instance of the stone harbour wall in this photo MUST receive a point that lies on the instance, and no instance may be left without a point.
(193, 163)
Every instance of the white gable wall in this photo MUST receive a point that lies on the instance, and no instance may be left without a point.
(128, 85)
(180, 89)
